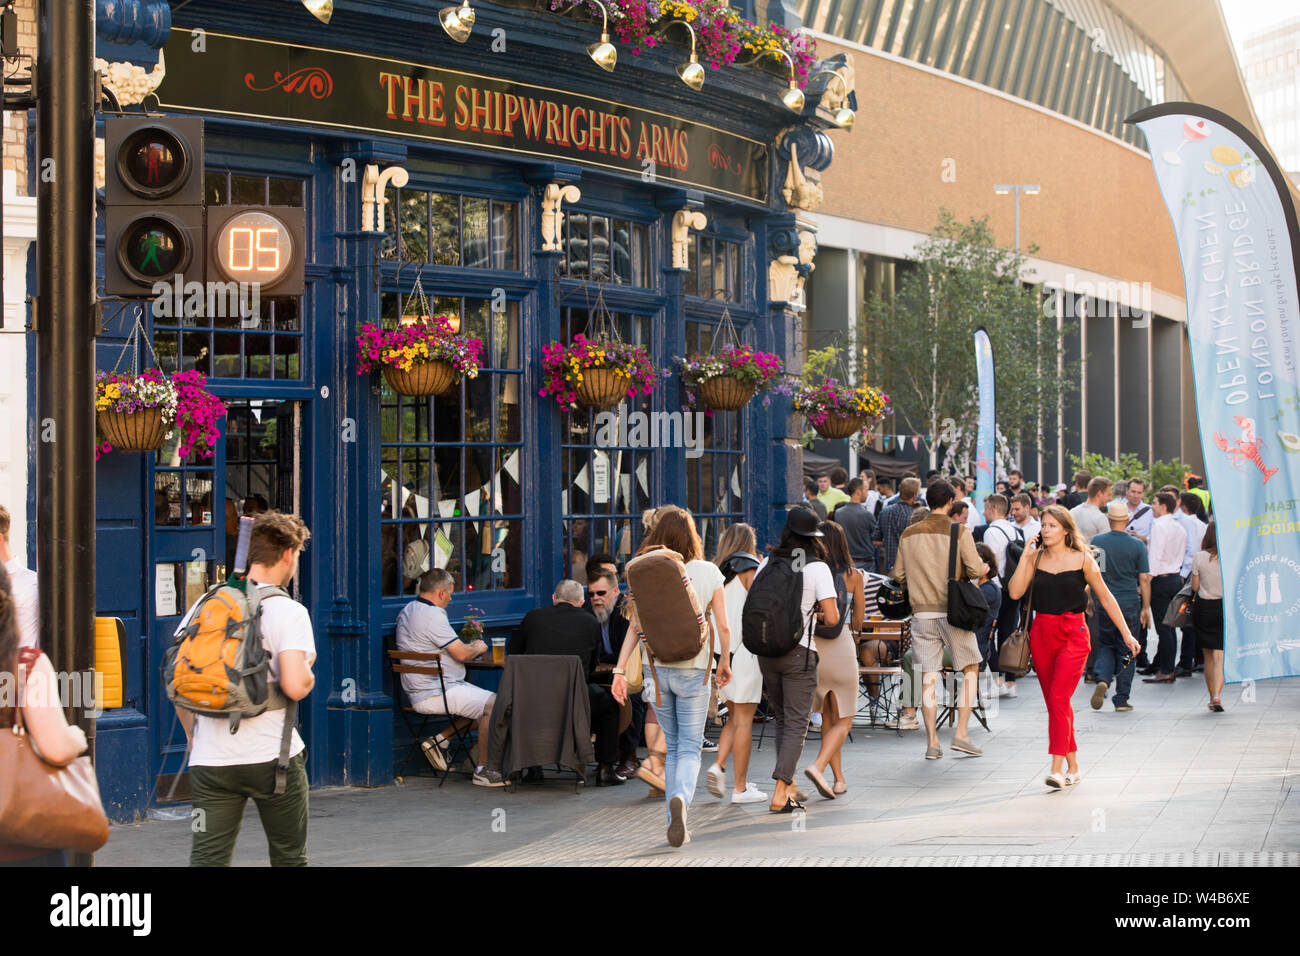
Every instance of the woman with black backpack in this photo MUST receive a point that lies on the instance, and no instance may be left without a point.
(792, 583)
(837, 663)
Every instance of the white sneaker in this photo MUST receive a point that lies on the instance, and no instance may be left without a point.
(815, 722)
(751, 794)
(1056, 781)
(677, 834)
(1008, 690)
(1072, 778)
(716, 778)
(903, 723)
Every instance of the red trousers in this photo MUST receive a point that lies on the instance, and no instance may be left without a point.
(1059, 644)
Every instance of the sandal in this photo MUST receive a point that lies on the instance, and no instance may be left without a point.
(791, 806)
(820, 783)
(1216, 706)
(840, 788)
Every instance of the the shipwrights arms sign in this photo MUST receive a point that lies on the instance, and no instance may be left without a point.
(240, 76)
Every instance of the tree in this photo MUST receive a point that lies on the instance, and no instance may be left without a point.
(921, 341)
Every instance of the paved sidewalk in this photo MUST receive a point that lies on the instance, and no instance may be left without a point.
(1168, 784)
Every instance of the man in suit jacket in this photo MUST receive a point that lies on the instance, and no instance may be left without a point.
(565, 628)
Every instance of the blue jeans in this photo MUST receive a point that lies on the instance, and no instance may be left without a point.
(1111, 650)
(682, 710)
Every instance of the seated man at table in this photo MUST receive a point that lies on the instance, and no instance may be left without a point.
(565, 628)
(607, 604)
(423, 626)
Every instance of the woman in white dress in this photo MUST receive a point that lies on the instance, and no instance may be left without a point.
(738, 561)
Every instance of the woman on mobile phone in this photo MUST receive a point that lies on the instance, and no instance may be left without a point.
(1061, 570)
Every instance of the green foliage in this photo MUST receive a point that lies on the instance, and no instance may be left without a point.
(921, 341)
(820, 364)
(1128, 465)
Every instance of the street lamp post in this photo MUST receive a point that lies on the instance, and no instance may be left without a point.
(1015, 189)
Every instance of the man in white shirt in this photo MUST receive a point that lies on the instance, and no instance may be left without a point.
(22, 581)
(1088, 516)
(1139, 525)
(869, 480)
(226, 769)
(423, 626)
(1024, 520)
(1166, 550)
(999, 534)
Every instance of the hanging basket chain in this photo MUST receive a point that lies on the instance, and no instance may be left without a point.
(419, 298)
(600, 321)
(725, 328)
(132, 346)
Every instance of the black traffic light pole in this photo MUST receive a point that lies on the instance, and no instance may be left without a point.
(65, 342)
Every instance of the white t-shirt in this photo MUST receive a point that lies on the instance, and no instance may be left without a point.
(818, 584)
(286, 626)
(27, 602)
(706, 578)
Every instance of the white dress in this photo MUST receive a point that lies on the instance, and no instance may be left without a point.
(746, 686)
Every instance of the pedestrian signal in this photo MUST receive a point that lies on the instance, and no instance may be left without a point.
(153, 202)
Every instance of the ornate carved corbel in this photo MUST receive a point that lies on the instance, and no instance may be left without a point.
(374, 185)
(129, 82)
(553, 199)
(684, 220)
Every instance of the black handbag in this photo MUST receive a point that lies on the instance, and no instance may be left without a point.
(967, 608)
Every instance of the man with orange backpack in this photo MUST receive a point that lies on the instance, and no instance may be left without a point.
(240, 728)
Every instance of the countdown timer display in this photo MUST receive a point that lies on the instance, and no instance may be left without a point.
(254, 246)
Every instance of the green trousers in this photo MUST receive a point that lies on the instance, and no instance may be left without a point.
(220, 795)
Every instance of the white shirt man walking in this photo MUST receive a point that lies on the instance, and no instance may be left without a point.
(1089, 515)
(1165, 556)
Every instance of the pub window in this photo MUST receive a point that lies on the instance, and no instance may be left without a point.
(608, 485)
(715, 479)
(452, 466)
(448, 229)
(605, 249)
(227, 340)
(713, 268)
(182, 488)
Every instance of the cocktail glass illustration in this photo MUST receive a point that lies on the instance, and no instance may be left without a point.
(1192, 131)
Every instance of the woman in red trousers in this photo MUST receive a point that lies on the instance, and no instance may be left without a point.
(1060, 569)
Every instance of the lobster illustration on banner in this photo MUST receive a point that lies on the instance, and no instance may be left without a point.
(1246, 448)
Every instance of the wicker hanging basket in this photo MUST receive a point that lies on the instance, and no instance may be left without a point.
(726, 393)
(424, 378)
(602, 388)
(142, 430)
(835, 427)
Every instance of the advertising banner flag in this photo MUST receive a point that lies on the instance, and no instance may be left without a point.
(1235, 224)
(985, 437)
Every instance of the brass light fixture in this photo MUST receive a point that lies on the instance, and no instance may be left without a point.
(322, 10)
(603, 53)
(458, 22)
(843, 115)
(690, 72)
(793, 98)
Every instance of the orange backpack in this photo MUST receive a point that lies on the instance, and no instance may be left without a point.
(217, 665)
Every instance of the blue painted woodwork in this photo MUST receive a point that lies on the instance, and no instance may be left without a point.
(348, 720)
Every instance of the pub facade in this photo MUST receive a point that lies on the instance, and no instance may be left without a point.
(509, 183)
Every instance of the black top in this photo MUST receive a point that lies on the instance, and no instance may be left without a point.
(1060, 593)
(559, 629)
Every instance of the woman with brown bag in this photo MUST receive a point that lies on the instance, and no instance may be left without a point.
(36, 706)
(1060, 569)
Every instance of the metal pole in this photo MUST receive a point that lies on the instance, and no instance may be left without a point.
(65, 359)
(1016, 195)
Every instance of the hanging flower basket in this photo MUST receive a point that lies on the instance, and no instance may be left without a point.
(139, 412)
(602, 388)
(835, 410)
(419, 358)
(596, 372)
(836, 427)
(727, 380)
(422, 378)
(726, 393)
(142, 430)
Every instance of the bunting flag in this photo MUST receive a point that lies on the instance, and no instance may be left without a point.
(902, 440)
(916, 441)
(885, 440)
(986, 435)
(1238, 239)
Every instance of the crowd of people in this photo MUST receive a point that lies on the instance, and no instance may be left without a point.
(1085, 576)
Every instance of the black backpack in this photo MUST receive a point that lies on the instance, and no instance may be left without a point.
(825, 631)
(772, 624)
(1015, 551)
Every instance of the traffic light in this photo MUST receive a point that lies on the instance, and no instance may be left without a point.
(265, 245)
(153, 199)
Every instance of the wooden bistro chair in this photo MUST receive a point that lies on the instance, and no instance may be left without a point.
(427, 663)
(883, 705)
